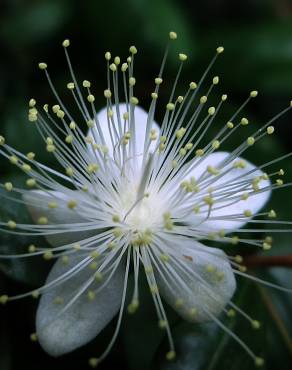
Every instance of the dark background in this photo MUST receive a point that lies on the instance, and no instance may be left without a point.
(257, 36)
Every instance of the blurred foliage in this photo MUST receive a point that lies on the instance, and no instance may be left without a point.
(257, 38)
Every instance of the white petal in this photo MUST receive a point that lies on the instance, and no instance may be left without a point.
(141, 117)
(38, 207)
(83, 320)
(254, 203)
(209, 291)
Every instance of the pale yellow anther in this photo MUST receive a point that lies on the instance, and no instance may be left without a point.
(11, 224)
(180, 133)
(153, 134)
(134, 100)
(230, 125)
(48, 255)
(272, 214)
(162, 324)
(211, 111)
(253, 93)
(279, 182)
(8, 186)
(193, 85)
(174, 164)
(132, 81)
(94, 254)
(13, 159)
(182, 57)
(189, 146)
(43, 65)
(203, 99)
(69, 139)
(255, 324)
(98, 276)
(133, 306)
(32, 103)
(90, 98)
(250, 141)
(72, 125)
(93, 362)
(200, 152)
(3, 299)
(129, 60)
(117, 232)
(182, 152)
(215, 144)
(65, 260)
(35, 294)
(117, 60)
(213, 170)
(244, 121)
(239, 164)
(180, 99)
(170, 106)
(266, 246)
(247, 213)
(43, 220)
(32, 117)
(270, 130)
(92, 168)
(133, 49)
(107, 55)
(71, 204)
(86, 84)
(91, 295)
(30, 156)
(66, 43)
(172, 35)
(93, 265)
(26, 167)
(2, 140)
(244, 196)
(50, 148)
(259, 361)
(30, 183)
(215, 80)
(124, 67)
(56, 108)
(242, 268)
(154, 95)
(234, 240)
(170, 355)
(231, 313)
(210, 268)
(238, 259)
(116, 218)
(158, 80)
(220, 49)
(46, 108)
(224, 97)
(126, 116)
(90, 123)
(208, 200)
(33, 337)
(70, 85)
(69, 171)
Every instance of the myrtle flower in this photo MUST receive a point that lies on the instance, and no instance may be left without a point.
(132, 195)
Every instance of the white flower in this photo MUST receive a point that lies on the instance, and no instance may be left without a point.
(134, 194)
